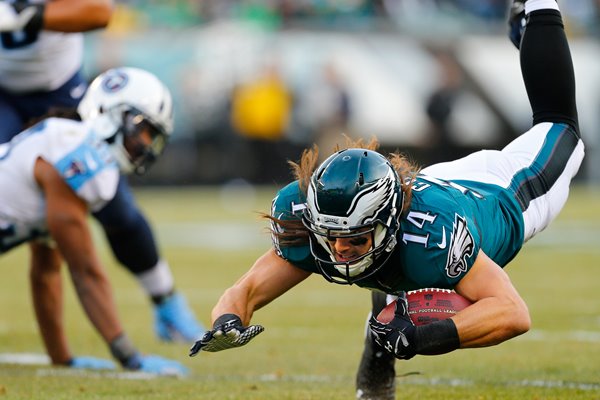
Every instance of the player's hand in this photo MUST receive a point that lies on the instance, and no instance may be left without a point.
(517, 22)
(395, 336)
(87, 362)
(227, 332)
(15, 17)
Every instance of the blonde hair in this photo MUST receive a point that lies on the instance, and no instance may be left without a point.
(294, 232)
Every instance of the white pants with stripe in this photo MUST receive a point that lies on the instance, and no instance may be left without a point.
(501, 168)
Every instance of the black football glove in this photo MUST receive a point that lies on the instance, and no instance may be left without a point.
(227, 333)
(397, 336)
(517, 21)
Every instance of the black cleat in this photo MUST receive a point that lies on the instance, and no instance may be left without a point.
(376, 376)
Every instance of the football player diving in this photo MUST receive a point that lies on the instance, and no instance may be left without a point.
(373, 221)
(53, 175)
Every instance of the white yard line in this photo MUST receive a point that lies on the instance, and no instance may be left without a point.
(409, 379)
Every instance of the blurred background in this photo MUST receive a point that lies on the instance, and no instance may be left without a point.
(256, 82)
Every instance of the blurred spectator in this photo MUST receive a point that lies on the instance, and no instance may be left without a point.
(485, 9)
(261, 108)
(325, 108)
(261, 111)
(263, 13)
(582, 16)
(207, 59)
(440, 105)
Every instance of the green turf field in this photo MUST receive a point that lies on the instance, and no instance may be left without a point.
(313, 337)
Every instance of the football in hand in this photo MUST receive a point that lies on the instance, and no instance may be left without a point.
(427, 305)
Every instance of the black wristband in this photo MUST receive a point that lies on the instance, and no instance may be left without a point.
(226, 318)
(36, 23)
(439, 337)
(124, 351)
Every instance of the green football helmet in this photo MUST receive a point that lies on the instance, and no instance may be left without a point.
(352, 193)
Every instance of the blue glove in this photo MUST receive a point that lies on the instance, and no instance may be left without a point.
(158, 365)
(87, 362)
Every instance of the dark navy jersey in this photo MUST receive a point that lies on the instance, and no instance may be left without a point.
(440, 235)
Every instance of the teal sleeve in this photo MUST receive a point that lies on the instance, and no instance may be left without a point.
(289, 204)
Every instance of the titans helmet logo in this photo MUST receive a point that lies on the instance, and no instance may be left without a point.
(115, 81)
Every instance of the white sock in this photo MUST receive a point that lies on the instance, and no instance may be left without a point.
(157, 281)
(534, 5)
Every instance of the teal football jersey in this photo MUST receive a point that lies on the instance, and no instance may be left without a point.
(440, 235)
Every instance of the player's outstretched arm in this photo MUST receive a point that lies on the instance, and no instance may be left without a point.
(269, 278)
(57, 15)
(46, 290)
(77, 15)
(66, 216)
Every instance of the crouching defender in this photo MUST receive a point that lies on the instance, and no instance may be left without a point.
(41, 58)
(361, 218)
(53, 175)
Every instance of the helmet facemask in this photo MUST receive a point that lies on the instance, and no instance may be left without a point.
(143, 140)
(321, 244)
(137, 140)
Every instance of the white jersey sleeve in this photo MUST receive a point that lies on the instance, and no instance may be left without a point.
(82, 159)
(88, 166)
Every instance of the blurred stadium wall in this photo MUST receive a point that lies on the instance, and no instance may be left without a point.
(437, 79)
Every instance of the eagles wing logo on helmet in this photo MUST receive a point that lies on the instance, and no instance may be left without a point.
(461, 247)
(376, 199)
